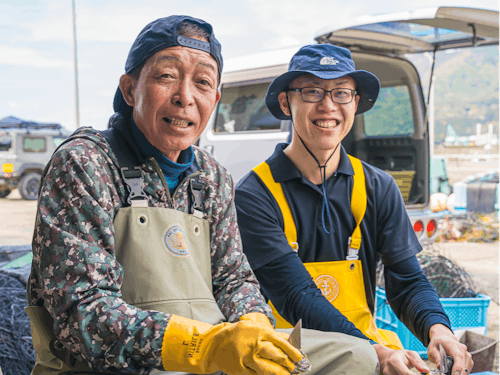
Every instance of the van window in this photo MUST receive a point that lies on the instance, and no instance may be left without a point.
(34, 144)
(391, 114)
(58, 141)
(5, 142)
(242, 109)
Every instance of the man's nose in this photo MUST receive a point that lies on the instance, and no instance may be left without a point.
(183, 95)
(327, 103)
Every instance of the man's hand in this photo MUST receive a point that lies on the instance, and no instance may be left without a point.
(249, 346)
(440, 334)
(399, 362)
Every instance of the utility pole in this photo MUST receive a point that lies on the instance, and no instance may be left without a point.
(77, 102)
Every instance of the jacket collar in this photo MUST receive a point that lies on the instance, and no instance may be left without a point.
(122, 124)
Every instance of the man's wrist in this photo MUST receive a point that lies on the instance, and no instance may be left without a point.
(439, 329)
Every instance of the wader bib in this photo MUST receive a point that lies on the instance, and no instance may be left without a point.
(167, 267)
(341, 282)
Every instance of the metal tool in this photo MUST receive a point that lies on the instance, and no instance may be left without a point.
(295, 339)
(295, 336)
(445, 364)
(445, 361)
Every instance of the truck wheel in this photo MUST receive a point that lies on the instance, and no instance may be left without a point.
(29, 185)
(3, 194)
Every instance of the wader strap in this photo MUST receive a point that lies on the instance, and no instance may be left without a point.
(117, 140)
(264, 172)
(195, 188)
(129, 162)
(358, 207)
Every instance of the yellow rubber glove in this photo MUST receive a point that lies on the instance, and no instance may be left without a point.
(250, 346)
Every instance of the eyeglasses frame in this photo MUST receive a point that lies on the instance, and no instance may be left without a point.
(299, 89)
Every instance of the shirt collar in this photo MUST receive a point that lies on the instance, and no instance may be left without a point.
(283, 169)
(345, 166)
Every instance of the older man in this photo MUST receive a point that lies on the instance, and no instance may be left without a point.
(314, 221)
(137, 260)
(137, 257)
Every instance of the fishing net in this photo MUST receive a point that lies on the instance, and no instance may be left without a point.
(17, 356)
(449, 279)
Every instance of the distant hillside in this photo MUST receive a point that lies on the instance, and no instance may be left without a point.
(466, 91)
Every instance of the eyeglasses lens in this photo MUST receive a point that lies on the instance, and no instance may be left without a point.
(316, 94)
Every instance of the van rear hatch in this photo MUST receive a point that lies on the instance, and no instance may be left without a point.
(425, 30)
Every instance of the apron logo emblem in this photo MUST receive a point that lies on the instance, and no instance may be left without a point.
(328, 285)
(173, 240)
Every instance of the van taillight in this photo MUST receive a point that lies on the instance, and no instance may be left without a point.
(418, 227)
(431, 228)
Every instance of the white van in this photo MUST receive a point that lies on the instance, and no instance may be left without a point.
(393, 135)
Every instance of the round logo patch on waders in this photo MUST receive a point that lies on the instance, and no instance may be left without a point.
(173, 239)
(328, 285)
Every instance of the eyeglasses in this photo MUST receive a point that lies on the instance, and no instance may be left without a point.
(316, 94)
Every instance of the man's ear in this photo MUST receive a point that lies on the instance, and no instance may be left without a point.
(217, 96)
(127, 88)
(282, 99)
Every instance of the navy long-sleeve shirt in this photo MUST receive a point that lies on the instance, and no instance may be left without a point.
(387, 234)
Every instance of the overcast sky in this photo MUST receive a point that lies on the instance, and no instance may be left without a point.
(36, 43)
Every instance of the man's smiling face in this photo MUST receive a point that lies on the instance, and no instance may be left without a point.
(324, 124)
(173, 97)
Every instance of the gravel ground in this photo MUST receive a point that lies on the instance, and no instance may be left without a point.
(479, 259)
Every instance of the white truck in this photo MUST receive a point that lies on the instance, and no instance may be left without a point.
(393, 136)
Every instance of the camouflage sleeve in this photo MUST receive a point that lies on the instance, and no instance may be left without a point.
(78, 277)
(235, 286)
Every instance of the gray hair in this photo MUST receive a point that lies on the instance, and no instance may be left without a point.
(192, 30)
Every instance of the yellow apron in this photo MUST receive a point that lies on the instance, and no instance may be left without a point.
(340, 282)
(166, 258)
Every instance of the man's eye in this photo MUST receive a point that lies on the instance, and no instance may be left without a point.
(341, 93)
(312, 91)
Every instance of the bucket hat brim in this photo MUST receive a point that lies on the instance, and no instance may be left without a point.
(325, 61)
(367, 87)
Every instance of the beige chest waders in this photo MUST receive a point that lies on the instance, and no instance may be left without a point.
(167, 267)
(341, 282)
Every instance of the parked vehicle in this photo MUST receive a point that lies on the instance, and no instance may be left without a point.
(393, 135)
(25, 149)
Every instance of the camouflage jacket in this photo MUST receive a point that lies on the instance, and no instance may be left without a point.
(76, 277)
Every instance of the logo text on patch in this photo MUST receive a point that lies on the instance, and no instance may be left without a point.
(173, 240)
(328, 61)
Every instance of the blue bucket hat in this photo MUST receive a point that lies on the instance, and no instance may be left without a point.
(324, 61)
(161, 34)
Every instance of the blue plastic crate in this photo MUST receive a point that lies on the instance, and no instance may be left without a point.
(464, 313)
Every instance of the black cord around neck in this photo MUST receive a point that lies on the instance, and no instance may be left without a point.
(322, 170)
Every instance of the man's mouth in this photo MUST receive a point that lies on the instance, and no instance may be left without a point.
(327, 124)
(178, 122)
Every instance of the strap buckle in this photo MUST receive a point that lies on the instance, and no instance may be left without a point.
(134, 181)
(352, 253)
(195, 187)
